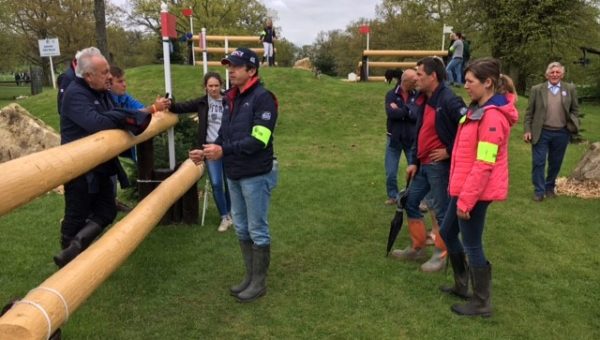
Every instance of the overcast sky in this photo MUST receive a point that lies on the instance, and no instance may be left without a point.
(302, 20)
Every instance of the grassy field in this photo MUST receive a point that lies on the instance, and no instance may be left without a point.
(329, 277)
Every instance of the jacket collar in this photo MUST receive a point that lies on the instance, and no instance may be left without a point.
(435, 96)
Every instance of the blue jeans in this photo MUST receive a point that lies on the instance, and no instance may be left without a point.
(551, 145)
(455, 71)
(250, 199)
(471, 231)
(219, 186)
(433, 179)
(392, 159)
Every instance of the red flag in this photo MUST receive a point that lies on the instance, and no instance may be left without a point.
(167, 21)
(364, 29)
(187, 12)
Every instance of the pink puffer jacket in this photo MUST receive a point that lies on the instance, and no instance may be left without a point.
(479, 167)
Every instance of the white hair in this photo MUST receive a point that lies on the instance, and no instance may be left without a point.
(555, 64)
(84, 60)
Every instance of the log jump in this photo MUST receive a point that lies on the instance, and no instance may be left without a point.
(365, 64)
(48, 306)
(26, 178)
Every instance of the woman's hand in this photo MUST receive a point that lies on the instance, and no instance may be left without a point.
(463, 215)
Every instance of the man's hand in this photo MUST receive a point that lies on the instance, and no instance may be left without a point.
(438, 155)
(527, 137)
(162, 103)
(212, 151)
(463, 215)
(411, 171)
(196, 155)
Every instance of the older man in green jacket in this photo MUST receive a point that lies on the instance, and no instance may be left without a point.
(551, 119)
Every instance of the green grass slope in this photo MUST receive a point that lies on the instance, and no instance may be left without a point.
(329, 277)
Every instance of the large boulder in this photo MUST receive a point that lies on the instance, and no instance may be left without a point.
(589, 166)
(304, 64)
(22, 134)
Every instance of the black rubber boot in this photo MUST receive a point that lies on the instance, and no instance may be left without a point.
(80, 242)
(65, 241)
(479, 305)
(461, 277)
(261, 258)
(246, 247)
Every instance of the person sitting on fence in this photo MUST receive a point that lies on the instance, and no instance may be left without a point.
(210, 113)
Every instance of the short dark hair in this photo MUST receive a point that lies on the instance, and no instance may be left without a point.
(212, 74)
(116, 71)
(433, 65)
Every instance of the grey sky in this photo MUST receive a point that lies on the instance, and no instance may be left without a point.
(302, 20)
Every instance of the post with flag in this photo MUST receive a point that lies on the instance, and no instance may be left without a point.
(167, 22)
(364, 29)
(188, 12)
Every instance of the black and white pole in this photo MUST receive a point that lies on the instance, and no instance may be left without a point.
(164, 14)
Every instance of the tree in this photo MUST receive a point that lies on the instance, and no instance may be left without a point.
(100, 19)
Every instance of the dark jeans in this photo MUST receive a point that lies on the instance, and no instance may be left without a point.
(551, 145)
(90, 198)
(471, 231)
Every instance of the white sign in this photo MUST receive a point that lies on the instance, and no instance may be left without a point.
(447, 29)
(49, 47)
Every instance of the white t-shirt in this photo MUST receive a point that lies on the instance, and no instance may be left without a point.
(215, 115)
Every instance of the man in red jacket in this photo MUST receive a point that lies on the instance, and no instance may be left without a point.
(430, 161)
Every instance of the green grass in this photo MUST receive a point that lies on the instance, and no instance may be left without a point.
(329, 278)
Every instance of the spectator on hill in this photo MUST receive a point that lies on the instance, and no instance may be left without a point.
(17, 78)
(552, 117)
(402, 105)
(478, 176)
(210, 115)
(245, 143)
(454, 68)
(86, 109)
(430, 160)
(268, 37)
(466, 53)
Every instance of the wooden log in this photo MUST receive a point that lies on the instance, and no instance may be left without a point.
(390, 64)
(403, 53)
(26, 178)
(221, 50)
(209, 63)
(375, 79)
(66, 290)
(244, 38)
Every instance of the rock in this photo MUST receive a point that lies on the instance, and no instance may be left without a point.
(304, 64)
(588, 168)
(22, 134)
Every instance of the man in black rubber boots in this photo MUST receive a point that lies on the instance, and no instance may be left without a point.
(246, 144)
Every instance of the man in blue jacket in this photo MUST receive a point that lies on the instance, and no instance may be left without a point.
(245, 143)
(402, 105)
(430, 160)
(86, 109)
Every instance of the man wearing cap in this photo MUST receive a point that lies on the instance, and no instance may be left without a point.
(245, 143)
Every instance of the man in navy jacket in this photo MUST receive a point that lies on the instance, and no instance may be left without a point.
(86, 109)
(245, 142)
(430, 160)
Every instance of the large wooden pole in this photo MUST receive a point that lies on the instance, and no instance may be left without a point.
(403, 53)
(26, 178)
(48, 306)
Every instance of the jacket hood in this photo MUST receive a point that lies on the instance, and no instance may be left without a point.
(504, 103)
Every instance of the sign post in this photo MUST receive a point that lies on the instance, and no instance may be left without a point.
(445, 30)
(364, 29)
(49, 48)
(167, 21)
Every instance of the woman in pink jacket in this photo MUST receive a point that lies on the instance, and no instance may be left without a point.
(478, 176)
